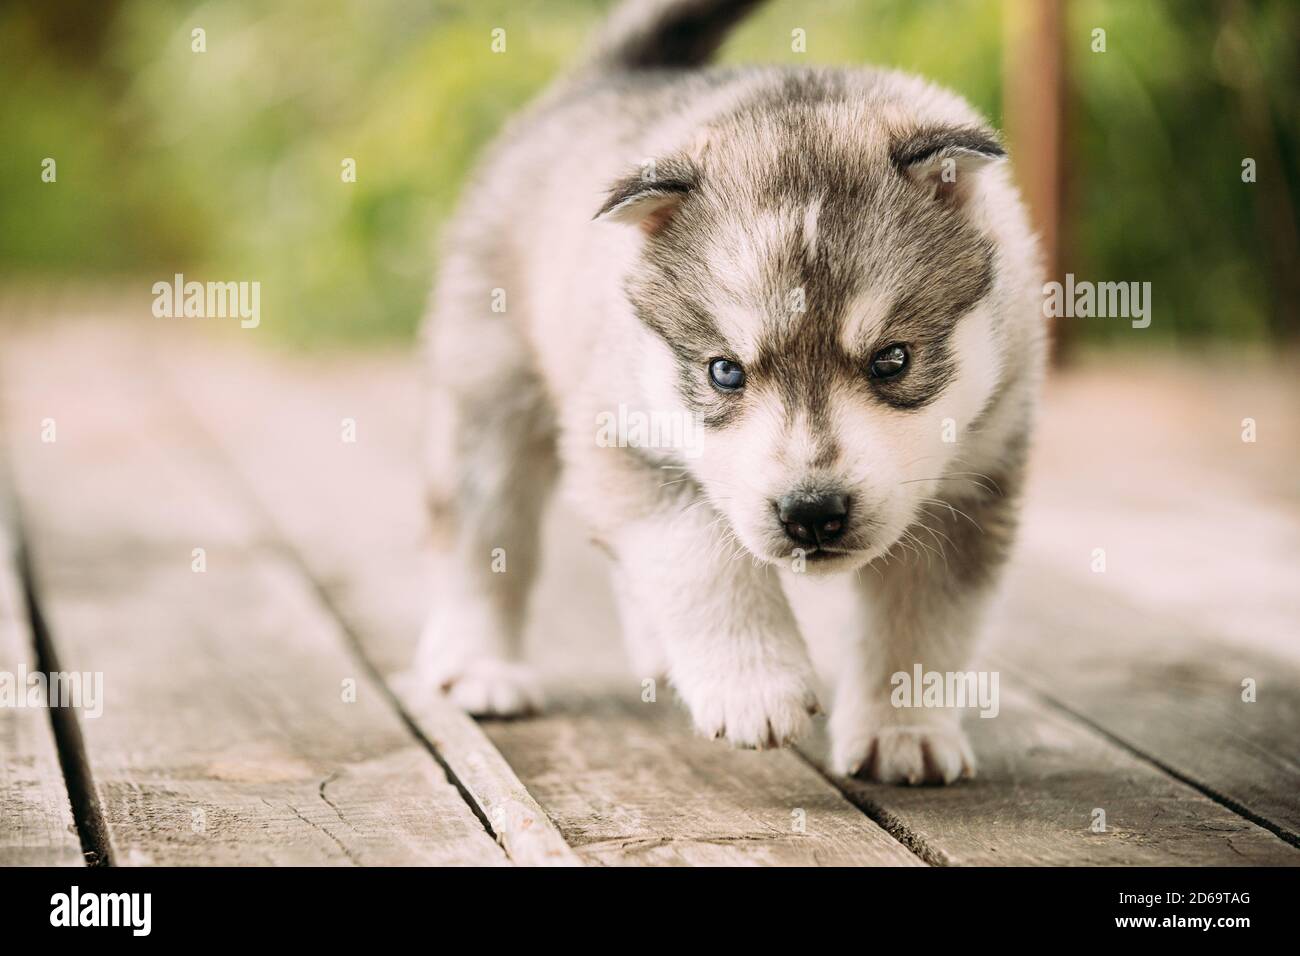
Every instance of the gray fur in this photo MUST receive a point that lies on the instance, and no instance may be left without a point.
(666, 33)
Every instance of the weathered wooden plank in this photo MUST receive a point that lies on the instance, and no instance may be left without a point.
(236, 727)
(1042, 773)
(1040, 769)
(520, 824)
(1044, 783)
(630, 783)
(1179, 701)
(1158, 574)
(36, 825)
(273, 436)
(625, 783)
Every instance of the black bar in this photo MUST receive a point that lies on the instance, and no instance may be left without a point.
(922, 905)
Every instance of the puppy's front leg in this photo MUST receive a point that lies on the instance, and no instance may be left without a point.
(733, 650)
(925, 607)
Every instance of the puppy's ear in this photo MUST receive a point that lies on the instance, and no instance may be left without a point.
(945, 160)
(650, 197)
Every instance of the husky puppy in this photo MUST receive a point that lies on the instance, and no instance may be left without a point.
(826, 276)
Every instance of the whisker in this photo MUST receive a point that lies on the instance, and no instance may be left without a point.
(957, 477)
(909, 542)
(942, 554)
(979, 474)
(954, 510)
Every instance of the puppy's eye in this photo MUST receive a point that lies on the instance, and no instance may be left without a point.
(889, 361)
(726, 374)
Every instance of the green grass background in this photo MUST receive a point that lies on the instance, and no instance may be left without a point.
(225, 164)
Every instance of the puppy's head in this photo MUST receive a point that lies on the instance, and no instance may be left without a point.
(823, 304)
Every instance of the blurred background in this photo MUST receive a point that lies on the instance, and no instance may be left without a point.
(226, 164)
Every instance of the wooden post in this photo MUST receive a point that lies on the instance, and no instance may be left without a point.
(1034, 96)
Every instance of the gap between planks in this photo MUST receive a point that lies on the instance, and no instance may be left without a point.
(254, 730)
(472, 764)
(1281, 830)
(1243, 755)
(48, 813)
(1051, 769)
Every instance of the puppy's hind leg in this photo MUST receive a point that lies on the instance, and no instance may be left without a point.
(491, 464)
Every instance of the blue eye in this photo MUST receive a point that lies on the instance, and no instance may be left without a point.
(726, 374)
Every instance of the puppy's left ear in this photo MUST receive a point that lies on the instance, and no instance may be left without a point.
(650, 197)
(945, 160)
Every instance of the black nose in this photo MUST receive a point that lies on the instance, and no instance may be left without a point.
(813, 519)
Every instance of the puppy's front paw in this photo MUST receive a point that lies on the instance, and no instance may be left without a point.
(755, 711)
(462, 655)
(485, 687)
(912, 754)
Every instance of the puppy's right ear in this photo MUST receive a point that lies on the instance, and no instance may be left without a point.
(650, 197)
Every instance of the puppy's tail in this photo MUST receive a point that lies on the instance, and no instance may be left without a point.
(665, 34)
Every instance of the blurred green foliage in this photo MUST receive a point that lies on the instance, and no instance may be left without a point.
(226, 164)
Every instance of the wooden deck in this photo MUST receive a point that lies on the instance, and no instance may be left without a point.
(255, 712)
